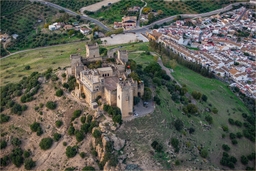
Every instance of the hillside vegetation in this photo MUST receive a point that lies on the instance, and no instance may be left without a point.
(30, 22)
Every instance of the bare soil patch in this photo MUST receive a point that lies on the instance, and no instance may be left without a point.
(97, 6)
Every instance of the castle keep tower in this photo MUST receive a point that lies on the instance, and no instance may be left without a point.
(125, 98)
(92, 52)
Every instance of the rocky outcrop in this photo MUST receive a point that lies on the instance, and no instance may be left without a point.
(118, 142)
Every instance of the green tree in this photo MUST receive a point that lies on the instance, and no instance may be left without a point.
(59, 93)
(71, 151)
(29, 164)
(27, 67)
(147, 94)
(26, 154)
(71, 130)
(178, 124)
(16, 141)
(209, 119)
(204, 153)
(56, 136)
(89, 168)
(51, 105)
(79, 136)
(96, 133)
(204, 98)
(58, 123)
(225, 147)
(244, 160)
(46, 143)
(3, 144)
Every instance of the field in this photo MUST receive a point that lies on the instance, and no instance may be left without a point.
(97, 6)
(115, 12)
(13, 68)
(30, 22)
(74, 5)
(141, 132)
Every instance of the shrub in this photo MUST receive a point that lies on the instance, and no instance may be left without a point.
(3, 144)
(96, 133)
(16, 141)
(16, 109)
(196, 95)
(34, 126)
(234, 142)
(51, 105)
(239, 135)
(225, 147)
(215, 110)
(231, 121)
(209, 119)
(251, 156)
(232, 136)
(4, 118)
(82, 154)
(27, 67)
(204, 153)
(79, 136)
(71, 151)
(16, 157)
(244, 160)
(90, 168)
(4, 161)
(26, 154)
(29, 164)
(178, 124)
(157, 146)
(64, 143)
(46, 143)
(76, 114)
(83, 119)
(58, 123)
(225, 128)
(238, 123)
(71, 130)
(59, 93)
(157, 100)
(204, 97)
(56, 136)
(191, 130)
(85, 127)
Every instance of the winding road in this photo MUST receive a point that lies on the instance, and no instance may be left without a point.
(144, 28)
(85, 17)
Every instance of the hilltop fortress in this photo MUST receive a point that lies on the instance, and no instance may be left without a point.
(110, 80)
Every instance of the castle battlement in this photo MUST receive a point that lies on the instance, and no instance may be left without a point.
(111, 82)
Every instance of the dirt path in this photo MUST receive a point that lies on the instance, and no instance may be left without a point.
(168, 72)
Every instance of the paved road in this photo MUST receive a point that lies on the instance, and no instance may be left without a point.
(138, 22)
(100, 24)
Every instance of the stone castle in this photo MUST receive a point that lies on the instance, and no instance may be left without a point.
(111, 81)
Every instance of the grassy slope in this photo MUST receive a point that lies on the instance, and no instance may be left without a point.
(158, 126)
(12, 68)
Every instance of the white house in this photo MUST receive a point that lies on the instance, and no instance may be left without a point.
(84, 30)
(55, 26)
